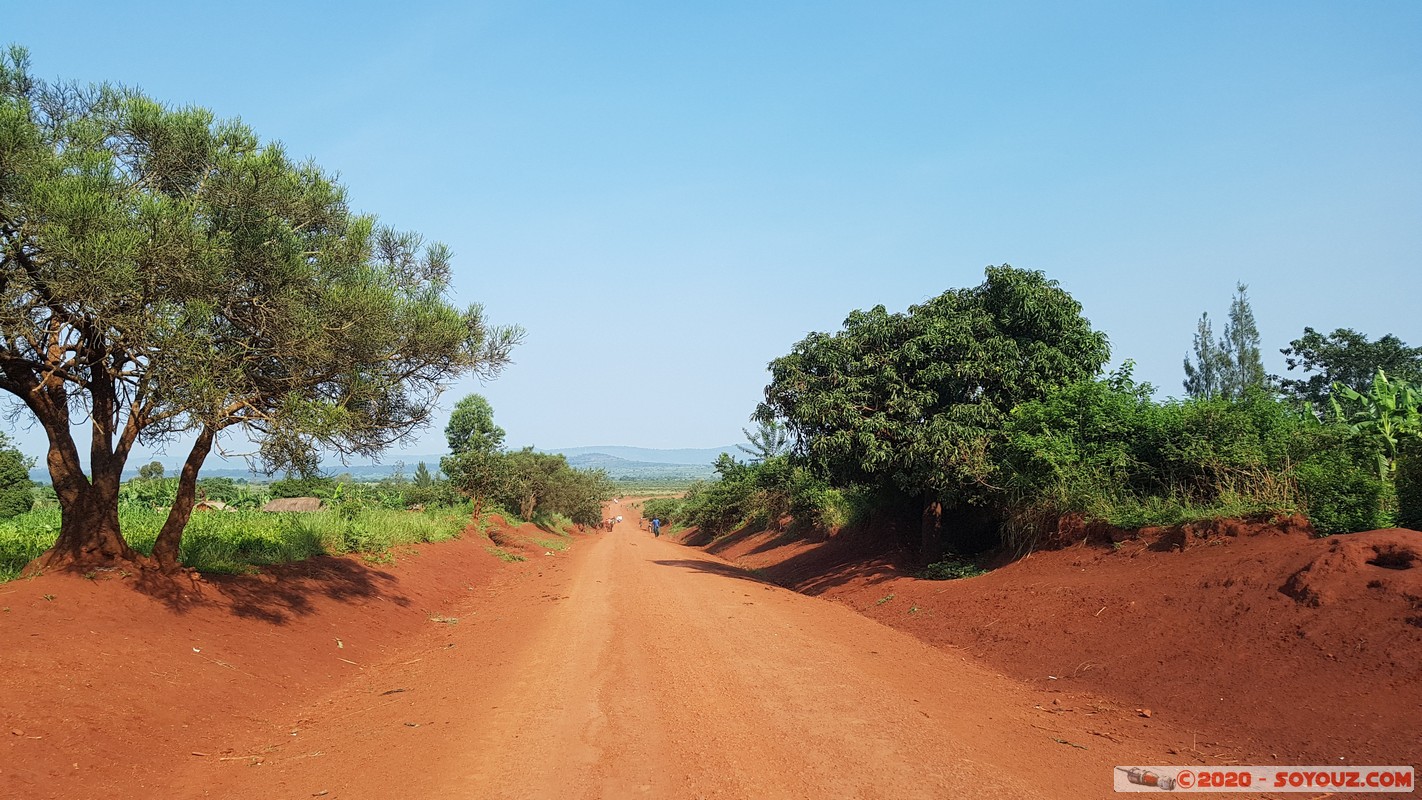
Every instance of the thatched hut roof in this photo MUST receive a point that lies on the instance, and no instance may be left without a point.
(212, 505)
(294, 504)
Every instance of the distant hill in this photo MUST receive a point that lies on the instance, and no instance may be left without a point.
(620, 462)
(621, 469)
(705, 456)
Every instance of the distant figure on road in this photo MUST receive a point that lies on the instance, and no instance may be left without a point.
(656, 526)
(619, 519)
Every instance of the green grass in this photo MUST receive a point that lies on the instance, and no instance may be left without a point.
(240, 541)
(951, 568)
(504, 555)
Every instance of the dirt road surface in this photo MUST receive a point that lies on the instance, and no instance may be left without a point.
(631, 667)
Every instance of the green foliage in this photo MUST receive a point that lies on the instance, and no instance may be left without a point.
(915, 400)
(770, 439)
(951, 569)
(166, 271)
(759, 495)
(542, 484)
(1104, 450)
(1232, 367)
(669, 510)
(321, 486)
(578, 495)
(426, 489)
(1347, 357)
(1342, 496)
(1205, 376)
(15, 495)
(1388, 413)
(471, 427)
(236, 542)
(151, 471)
(148, 493)
(1409, 484)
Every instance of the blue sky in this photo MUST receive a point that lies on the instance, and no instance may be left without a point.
(670, 195)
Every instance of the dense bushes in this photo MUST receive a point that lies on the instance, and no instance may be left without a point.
(763, 494)
(1409, 485)
(1106, 451)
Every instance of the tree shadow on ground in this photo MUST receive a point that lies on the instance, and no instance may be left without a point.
(715, 568)
(276, 594)
(858, 554)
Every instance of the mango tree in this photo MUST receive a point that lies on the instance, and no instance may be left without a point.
(164, 274)
(913, 401)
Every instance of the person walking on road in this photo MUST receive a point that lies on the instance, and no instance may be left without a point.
(656, 526)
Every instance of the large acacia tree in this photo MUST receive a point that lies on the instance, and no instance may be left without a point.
(913, 401)
(164, 274)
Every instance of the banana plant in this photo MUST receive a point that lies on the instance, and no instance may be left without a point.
(1388, 413)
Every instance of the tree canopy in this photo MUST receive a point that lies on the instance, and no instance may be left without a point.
(163, 272)
(914, 400)
(1347, 357)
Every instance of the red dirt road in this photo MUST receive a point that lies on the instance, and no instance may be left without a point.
(629, 666)
(635, 667)
(625, 666)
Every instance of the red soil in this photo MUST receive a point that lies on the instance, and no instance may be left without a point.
(629, 666)
(105, 679)
(1276, 647)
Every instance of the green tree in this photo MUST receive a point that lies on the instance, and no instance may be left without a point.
(1245, 369)
(471, 426)
(914, 401)
(531, 476)
(15, 495)
(152, 471)
(1347, 357)
(166, 273)
(477, 466)
(1204, 378)
(771, 438)
(1232, 366)
(579, 494)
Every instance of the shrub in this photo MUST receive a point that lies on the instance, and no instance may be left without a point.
(1341, 494)
(1409, 484)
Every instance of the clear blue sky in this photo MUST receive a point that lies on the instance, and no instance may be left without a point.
(669, 195)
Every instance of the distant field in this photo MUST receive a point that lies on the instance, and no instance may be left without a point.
(648, 488)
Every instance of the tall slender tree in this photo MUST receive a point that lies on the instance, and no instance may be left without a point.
(1245, 369)
(1232, 366)
(1205, 376)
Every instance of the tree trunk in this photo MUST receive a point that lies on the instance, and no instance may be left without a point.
(526, 506)
(930, 547)
(89, 533)
(168, 546)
